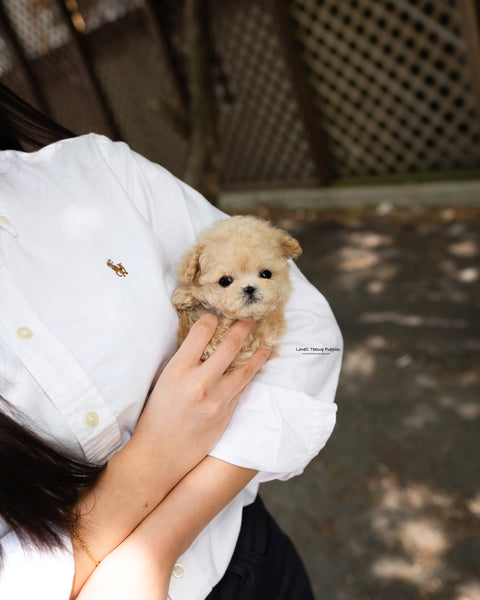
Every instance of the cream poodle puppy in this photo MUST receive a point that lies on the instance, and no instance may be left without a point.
(237, 270)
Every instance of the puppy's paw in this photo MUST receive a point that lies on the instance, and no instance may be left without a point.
(183, 298)
(210, 349)
(222, 328)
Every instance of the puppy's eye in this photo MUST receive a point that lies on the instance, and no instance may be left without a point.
(265, 274)
(225, 281)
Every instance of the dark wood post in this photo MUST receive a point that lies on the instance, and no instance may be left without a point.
(471, 31)
(203, 163)
(15, 47)
(315, 135)
(161, 38)
(88, 74)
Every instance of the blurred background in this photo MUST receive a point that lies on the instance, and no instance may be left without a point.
(355, 125)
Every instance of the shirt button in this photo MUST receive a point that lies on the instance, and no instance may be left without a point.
(92, 419)
(24, 333)
(5, 220)
(178, 571)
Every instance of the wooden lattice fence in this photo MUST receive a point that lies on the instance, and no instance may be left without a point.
(308, 91)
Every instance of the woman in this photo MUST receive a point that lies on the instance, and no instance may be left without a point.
(81, 344)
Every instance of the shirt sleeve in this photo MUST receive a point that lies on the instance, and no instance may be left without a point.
(287, 413)
(27, 572)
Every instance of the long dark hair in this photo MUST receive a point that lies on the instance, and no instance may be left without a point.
(23, 127)
(39, 481)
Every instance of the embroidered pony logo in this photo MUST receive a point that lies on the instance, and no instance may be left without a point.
(119, 269)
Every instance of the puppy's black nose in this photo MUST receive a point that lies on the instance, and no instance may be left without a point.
(249, 289)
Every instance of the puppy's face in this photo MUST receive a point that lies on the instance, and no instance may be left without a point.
(241, 267)
(242, 282)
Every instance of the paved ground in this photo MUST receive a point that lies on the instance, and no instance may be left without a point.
(390, 509)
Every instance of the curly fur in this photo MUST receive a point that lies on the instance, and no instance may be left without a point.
(242, 248)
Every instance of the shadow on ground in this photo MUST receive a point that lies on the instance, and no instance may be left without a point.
(390, 509)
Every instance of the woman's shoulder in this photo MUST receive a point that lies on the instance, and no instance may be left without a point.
(75, 148)
(69, 145)
(82, 145)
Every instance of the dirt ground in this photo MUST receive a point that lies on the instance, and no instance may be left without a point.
(390, 509)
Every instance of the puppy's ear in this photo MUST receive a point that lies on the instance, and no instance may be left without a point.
(190, 265)
(289, 246)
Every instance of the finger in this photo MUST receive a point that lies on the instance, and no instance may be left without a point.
(197, 339)
(229, 347)
(238, 378)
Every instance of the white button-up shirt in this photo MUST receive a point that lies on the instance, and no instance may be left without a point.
(90, 236)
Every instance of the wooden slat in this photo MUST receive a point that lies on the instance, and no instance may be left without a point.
(87, 72)
(471, 32)
(13, 43)
(312, 122)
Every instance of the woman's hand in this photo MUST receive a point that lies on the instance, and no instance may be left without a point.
(186, 414)
(192, 401)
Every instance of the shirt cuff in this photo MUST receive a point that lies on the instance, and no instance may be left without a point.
(276, 430)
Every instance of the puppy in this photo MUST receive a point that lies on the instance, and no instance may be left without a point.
(237, 270)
